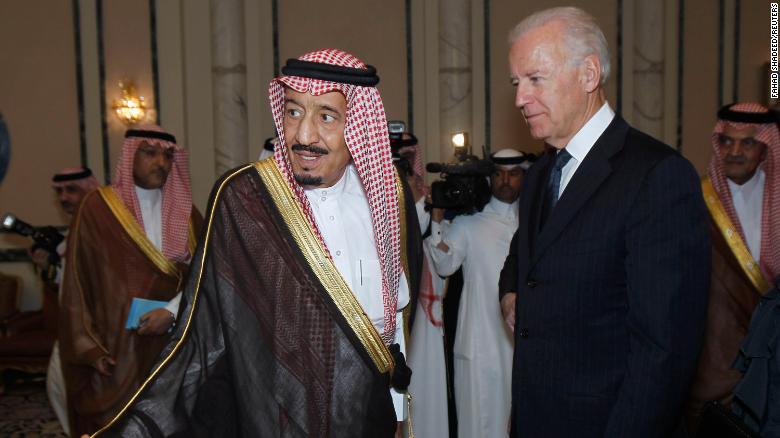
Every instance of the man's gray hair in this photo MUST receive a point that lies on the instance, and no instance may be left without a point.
(582, 34)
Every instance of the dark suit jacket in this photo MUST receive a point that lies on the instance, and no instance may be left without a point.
(612, 293)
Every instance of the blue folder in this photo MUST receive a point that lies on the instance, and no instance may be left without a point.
(138, 308)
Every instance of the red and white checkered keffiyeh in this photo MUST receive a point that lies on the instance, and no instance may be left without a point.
(368, 141)
(176, 193)
(770, 225)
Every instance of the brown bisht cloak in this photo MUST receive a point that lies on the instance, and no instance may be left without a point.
(272, 341)
(109, 262)
(736, 286)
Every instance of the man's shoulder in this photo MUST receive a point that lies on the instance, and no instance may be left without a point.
(240, 185)
(237, 178)
(93, 202)
(647, 148)
(643, 153)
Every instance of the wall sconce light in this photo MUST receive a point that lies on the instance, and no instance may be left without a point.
(130, 108)
(460, 143)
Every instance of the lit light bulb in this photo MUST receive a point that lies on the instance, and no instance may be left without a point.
(130, 108)
(459, 139)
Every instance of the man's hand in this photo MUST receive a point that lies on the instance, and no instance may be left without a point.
(155, 322)
(104, 365)
(417, 188)
(508, 309)
(41, 258)
(399, 430)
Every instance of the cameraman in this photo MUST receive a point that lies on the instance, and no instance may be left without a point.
(483, 346)
(69, 185)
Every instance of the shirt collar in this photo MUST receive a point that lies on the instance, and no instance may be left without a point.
(586, 137)
(334, 190)
(147, 195)
(501, 208)
(750, 185)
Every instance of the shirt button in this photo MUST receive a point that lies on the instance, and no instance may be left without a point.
(524, 333)
(332, 218)
(338, 253)
(323, 199)
(532, 284)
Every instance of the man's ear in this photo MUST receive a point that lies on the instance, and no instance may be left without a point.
(590, 73)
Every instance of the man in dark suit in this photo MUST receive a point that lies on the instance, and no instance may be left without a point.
(606, 282)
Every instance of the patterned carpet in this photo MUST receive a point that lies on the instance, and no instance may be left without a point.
(25, 411)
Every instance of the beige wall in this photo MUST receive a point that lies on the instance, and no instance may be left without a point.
(376, 37)
(38, 81)
(38, 103)
(700, 81)
(128, 55)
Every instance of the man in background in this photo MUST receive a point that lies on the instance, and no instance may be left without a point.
(70, 185)
(130, 240)
(483, 345)
(742, 192)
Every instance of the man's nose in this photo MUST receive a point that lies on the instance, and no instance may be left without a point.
(307, 131)
(522, 96)
(735, 149)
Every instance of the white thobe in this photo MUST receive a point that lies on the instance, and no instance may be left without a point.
(483, 344)
(426, 355)
(344, 220)
(55, 381)
(748, 201)
(150, 202)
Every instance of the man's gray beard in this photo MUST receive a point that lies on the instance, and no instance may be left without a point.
(307, 180)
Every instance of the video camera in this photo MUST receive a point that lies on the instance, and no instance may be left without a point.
(464, 187)
(46, 238)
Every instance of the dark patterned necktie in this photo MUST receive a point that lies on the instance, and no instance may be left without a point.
(554, 184)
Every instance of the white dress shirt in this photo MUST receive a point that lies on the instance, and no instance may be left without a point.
(749, 202)
(344, 220)
(583, 142)
(150, 202)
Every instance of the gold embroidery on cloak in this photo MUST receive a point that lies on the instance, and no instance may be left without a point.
(322, 265)
(133, 229)
(733, 239)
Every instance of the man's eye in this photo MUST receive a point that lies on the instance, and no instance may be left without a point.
(327, 118)
(748, 141)
(292, 112)
(514, 82)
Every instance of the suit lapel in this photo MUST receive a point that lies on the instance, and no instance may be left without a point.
(586, 180)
